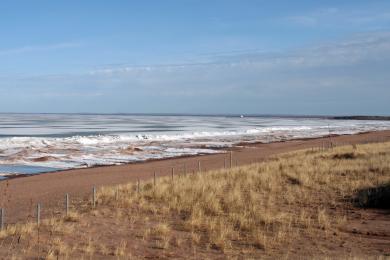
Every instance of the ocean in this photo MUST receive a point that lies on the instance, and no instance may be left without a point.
(36, 143)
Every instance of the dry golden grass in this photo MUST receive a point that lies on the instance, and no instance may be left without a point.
(261, 209)
(72, 216)
(267, 204)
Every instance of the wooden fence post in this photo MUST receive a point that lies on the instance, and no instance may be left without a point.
(224, 163)
(2, 212)
(38, 214)
(154, 179)
(67, 204)
(138, 188)
(173, 172)
(198, 166)
(231, 159)
(94, 196)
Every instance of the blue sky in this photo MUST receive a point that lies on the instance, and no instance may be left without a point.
(264, 57)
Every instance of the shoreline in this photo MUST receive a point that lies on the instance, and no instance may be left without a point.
(224, 150)
(20, 195)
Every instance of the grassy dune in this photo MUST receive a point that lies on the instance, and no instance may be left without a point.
(306, 203)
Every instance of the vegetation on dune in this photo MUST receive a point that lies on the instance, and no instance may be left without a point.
(267, 204)
(267, 208)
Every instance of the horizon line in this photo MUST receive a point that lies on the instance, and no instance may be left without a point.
(203, 114)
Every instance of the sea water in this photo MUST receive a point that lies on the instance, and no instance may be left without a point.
(34, 143)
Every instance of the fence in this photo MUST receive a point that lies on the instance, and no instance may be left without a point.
(185, 169)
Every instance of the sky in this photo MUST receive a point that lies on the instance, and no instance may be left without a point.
(207, 57)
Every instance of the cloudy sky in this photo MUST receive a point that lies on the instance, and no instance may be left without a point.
(214, 56)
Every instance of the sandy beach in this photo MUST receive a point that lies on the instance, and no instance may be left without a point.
(20, 195)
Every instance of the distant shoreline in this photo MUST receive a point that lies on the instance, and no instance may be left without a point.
(380, 118)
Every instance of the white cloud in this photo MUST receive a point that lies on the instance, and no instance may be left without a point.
(352, 69)
(341, 17)
(357, 49)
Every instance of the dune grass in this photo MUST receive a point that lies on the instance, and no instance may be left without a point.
(267, 204)
(263, 209)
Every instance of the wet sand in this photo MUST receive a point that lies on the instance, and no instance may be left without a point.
(19, 196)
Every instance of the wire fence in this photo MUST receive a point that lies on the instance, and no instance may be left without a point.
(230, 160)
